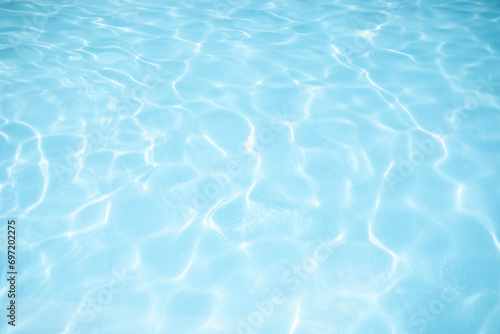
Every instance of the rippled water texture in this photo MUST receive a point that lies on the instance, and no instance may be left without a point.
(244, 167)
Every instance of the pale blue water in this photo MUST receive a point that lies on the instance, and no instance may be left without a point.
(295, 167)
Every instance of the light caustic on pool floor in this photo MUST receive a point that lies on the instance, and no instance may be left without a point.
(253, 167)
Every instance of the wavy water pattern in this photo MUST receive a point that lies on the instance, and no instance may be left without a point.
(238, 166)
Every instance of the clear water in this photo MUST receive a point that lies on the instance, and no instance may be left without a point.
(247, 167)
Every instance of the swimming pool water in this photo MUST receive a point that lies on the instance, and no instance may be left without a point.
(237, 166)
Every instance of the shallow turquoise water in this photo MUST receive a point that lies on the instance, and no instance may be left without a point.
(252, 166)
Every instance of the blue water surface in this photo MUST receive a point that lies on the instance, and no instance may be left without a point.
(244, 166)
